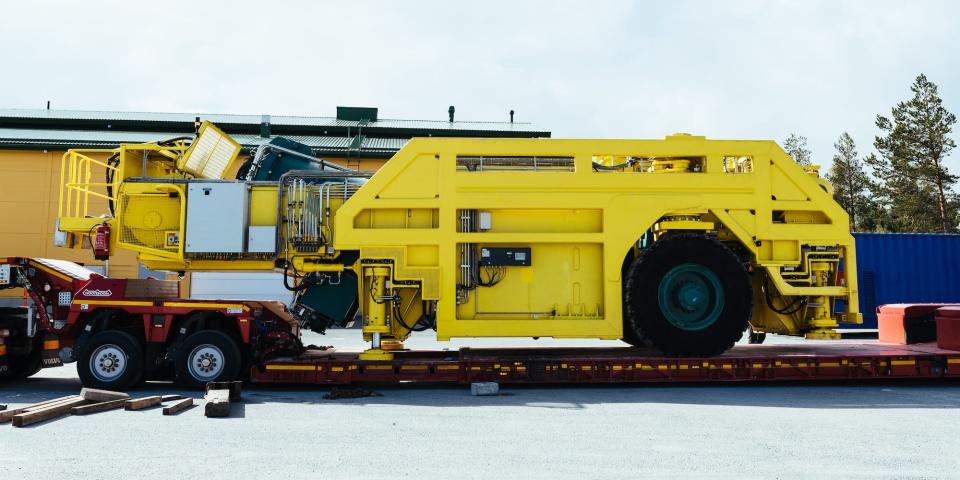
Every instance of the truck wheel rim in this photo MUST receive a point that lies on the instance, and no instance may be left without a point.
(206, 363)
(108, 362)
(691, 297)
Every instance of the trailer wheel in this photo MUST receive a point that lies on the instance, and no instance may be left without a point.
(207, 356)
(687, 295)
(111, 360)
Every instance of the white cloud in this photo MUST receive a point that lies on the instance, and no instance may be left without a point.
(746, 69)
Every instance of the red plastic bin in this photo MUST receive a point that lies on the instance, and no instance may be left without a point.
(906, 323)
(948, 328)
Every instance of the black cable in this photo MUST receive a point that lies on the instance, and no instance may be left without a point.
(417, 326)
(306, 283)
(170, 141)
(494, 276)
(601, 167)
(399, 318)
(795, 306)
(790, 309)
(90, 232)
(432, 319)
(113, 161)
(373, 283)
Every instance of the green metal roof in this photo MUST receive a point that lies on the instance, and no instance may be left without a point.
(16, 138)
(59, 129)
(146, 120)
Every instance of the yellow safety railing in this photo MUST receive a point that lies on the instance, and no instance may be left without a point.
(76, 185)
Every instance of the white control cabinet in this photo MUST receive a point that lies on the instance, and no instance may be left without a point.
(216, 217)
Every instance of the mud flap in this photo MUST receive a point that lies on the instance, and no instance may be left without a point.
(51, 350)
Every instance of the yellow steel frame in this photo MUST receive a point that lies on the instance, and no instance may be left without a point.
(742, 203)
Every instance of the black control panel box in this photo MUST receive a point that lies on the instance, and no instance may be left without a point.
(505, 256)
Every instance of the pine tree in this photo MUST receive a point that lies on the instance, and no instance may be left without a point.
(796, 146)
(907, 205)
(916, 185)
(851, 185)
(877, 216)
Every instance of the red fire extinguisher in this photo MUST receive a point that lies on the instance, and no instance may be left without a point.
(101, 242)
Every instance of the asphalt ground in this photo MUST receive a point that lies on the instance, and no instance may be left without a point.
(797, 430)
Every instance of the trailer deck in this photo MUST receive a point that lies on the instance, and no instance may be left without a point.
(807, 361)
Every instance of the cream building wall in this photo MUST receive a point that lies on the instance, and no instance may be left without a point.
(29, 196)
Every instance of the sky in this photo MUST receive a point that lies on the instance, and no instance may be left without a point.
(588, 69)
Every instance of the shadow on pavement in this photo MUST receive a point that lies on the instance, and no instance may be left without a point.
(927, 394)
(915, 394)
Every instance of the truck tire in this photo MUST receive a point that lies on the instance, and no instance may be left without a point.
(687, 294)
(207, 356)
(25, 366)
(20, 367)
(111, 360)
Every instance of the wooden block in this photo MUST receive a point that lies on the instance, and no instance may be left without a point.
(141, 403)
(98, 407)
(179, 406)
(95, 395)
(217, 403)
(170, 398)
(46, 413)
(234, 387)
(6, 416)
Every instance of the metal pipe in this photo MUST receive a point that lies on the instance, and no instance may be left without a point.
(286, 209)
(262, 149)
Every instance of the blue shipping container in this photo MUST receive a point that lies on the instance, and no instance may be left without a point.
(906, 268)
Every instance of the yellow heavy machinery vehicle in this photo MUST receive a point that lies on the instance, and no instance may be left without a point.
(679, 244)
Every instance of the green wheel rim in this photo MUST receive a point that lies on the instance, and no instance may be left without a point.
(691, 297)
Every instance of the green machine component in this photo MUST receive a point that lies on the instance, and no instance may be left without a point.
(281, 155)
(325, 300)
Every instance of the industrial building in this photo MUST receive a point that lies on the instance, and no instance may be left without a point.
(33, 141)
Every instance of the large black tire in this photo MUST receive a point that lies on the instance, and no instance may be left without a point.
(26, 366)
(207, 356)
(707, 295)
(630, 337)
(20, 367)
(111, 360)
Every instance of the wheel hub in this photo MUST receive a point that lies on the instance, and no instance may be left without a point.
(206, 362)
(691, 296)
(108, 362)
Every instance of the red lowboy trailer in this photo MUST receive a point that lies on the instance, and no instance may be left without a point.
(807, 361)
(121, 332)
